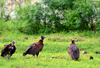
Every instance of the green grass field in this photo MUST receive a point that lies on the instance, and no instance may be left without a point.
(54, 53)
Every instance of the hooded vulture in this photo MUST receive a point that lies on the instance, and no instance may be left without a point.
(8, 49)
(73, 50)
(35, 48)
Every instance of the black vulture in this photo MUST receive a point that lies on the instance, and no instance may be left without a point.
(8, 49)
(35, 48)
(73, 51)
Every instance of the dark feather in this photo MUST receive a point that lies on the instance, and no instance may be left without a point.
(73, 51)
(8, 49)
(35, 48)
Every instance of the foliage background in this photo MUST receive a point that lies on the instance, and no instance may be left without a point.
(52, 17)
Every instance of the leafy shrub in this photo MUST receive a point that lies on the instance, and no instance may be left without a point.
(55, 16)
(59, 4)
(28, 18)
(37, 18)
(7, 26)
(82, 14)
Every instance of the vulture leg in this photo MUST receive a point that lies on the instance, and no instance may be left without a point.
(5, 56)
(33, 54)
(9, 56)
(37, 54)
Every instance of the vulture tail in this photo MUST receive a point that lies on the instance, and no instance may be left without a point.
(2, 54)
(24, 54)
(77, 58)
(26, 51)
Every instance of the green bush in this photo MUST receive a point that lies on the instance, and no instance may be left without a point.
(59, 4)
(28, 18)
(81, 16)
(36, 18)
(7, 26)
(55, 16)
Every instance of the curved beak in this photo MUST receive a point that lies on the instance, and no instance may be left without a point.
(15, 42)
(76, 40)
(45, 37)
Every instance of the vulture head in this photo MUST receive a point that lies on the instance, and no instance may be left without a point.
(74, 41)
(13, 41)
(42, 37)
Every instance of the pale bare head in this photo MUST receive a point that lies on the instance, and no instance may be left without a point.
(74, 41)
(14, 41)
(42, 37)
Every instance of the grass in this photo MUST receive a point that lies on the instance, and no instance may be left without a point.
(54, 53)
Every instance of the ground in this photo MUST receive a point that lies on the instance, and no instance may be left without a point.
(54, 53)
